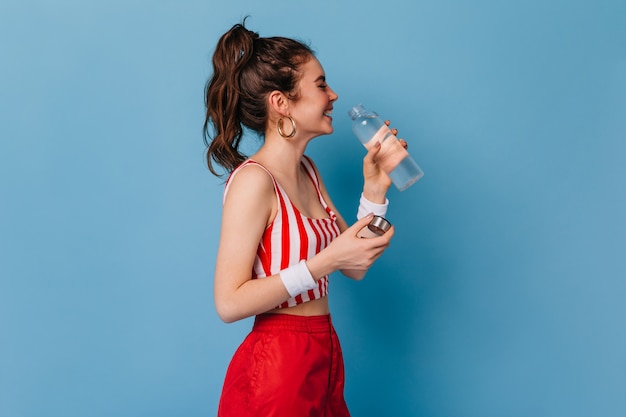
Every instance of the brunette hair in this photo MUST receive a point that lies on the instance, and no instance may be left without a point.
(246, 68)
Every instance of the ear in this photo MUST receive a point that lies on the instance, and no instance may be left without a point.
(278, 102)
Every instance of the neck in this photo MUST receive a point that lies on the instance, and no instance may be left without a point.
(281, 155)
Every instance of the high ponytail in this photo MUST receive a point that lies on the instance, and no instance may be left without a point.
(245, 69)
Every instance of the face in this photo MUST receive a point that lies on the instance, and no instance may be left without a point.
(312, 110)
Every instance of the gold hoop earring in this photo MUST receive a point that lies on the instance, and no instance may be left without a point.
(279, 127)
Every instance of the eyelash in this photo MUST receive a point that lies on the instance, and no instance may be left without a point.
(323, 86)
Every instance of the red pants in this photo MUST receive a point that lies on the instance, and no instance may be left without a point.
(288, 366)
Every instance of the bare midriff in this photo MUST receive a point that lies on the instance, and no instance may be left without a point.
(317, 307)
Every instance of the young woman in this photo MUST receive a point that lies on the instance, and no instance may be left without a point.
(281, 235)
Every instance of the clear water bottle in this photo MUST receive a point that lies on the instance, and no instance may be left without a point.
(392, 158)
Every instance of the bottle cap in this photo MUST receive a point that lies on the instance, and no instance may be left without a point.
(379, 225)
(356, 111)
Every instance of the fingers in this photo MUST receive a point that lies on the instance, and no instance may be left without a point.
(372, 152)
(377, 245)
(359, 253)
(359, 224)
(383, 240)
(394, 131)
(379, 241)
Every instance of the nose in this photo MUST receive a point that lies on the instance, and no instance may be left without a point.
(333, 96)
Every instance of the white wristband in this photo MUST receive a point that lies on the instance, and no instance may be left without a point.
(366, 207)
(297, 279)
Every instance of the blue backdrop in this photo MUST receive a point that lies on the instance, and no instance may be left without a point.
(501, 295)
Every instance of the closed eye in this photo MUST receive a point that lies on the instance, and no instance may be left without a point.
(322, 80)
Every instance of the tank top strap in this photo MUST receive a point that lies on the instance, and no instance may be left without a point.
(281, 196)
(310, 169)
(243, 165)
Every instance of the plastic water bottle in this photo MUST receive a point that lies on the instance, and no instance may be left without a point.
(392, 158)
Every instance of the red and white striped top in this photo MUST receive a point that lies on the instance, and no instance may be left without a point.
(292, 237)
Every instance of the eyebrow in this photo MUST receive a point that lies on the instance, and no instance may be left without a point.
(320, 78)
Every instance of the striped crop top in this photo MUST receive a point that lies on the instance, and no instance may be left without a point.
(292, 237)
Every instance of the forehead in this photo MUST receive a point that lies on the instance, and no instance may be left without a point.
(312, 70)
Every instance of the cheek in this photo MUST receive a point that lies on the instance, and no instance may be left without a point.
(313, 111)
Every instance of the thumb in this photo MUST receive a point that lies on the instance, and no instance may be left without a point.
(359, 224)
(372, 152)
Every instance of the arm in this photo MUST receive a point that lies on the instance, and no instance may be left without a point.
(249, 206)
(376, 182)
(376, 185)
(350, 254)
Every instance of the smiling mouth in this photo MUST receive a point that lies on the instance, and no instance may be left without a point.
(328, 113)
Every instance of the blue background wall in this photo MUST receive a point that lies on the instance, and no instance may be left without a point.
(502, 294)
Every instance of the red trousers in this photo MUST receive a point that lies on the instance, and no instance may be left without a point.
(288, 366)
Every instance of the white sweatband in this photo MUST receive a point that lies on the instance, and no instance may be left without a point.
(297, 279)
(366, 207)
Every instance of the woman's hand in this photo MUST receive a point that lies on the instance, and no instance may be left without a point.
(350, 254)
(376, 181)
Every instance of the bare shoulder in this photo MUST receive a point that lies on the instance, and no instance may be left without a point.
(251, 192)
(251, 179)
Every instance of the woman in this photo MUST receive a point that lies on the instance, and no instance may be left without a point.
(281, 234)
